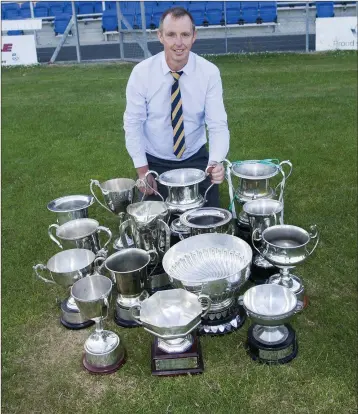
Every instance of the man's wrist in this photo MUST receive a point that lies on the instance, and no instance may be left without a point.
(142, 170)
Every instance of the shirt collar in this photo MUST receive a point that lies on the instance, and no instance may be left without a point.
(187, 69)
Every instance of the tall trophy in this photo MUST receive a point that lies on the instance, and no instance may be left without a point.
(171, 316)
(64, 269)
(286, 246)
(128, 270)
(271, 339)
(117, 194)
(262, 213)
(256, 179)
(104, 351)
(147, 223)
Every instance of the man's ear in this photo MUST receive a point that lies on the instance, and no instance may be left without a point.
(194, 36)
(160, 36)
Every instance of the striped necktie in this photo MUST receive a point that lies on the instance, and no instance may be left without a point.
(177, 117)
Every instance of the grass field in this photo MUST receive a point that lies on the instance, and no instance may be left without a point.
(62, 126)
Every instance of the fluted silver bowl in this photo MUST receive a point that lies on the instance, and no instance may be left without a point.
(213, 264)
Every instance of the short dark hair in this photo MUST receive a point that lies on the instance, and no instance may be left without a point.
(176, 12)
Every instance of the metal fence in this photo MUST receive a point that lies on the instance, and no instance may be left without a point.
(85, 40)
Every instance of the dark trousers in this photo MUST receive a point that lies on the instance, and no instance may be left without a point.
(198, 160)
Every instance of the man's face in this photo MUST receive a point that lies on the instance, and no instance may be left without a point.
(177, 37)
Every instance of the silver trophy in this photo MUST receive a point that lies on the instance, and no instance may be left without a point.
(147, 224)
(183, 188)
(255, 182)
(262, 213)
(104, 351)
(286, 246)
(117, 194)
(271, 339)
(70, 207)
(216, 265)
(171, 316)
(64, 269)
(80, 233)
(128, 269)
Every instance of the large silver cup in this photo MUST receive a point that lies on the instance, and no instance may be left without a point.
(128, 269)
(64, 269)
(82, 234)
(104, 352)
(70, 207)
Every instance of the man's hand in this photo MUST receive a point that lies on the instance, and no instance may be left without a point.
(217, 173)
(141, 171)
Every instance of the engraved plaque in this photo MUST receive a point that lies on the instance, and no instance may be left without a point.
(273, 355)
(178, 363)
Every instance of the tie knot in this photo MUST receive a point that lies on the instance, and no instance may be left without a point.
(176, 75)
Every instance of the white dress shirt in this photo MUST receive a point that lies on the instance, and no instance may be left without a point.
(147, 118)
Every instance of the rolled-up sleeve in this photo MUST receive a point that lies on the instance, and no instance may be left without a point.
(133, 119)
(216, 119)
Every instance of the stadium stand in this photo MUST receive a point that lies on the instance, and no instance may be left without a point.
(60, 23)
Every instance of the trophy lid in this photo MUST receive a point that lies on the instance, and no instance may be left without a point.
(70, 203)
(177, 227)
(144, 212)
(262, 207)
(206, 217)
(255, 169)
(171, 312)
(182, 177)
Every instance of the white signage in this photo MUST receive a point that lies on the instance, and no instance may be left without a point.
(18, 50)
(336, 33)
(23, 24)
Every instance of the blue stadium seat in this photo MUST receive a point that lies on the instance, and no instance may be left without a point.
(162, 6)
(56, 9)
(85, 7)
(233, 5)
(61, 22)
(25, 13)
(25, 5)
(9, 6)
(40, 10)
(249, 11)
(215, 17)
(12, 14)
(15, 32)
(215, 5)
(110, 5)
(232, 16)
(67, 7)
(197, 6)
(109, 21)
(97, 7)
(325, 9)
(198, 16)
(268, 11)
(184, 4)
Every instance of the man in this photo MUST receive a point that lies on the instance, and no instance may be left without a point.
(170, 98)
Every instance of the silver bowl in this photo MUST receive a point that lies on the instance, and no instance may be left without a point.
(269, 305)
(70, 207)
(213, 264)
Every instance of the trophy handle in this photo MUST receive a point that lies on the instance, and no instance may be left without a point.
(106, 304)
(52, 237)
(181, 237)
(155, 260)
(313, 235)
(207, 173)
(156, 178)
(44, 279)
(163, 226)
(135, 315)
(122, 233)
(96, 182)
(287, 162)
(98, 264)
(231, 188)
(137, 186)
(108, 232)
(254, 238)
(205, 303)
